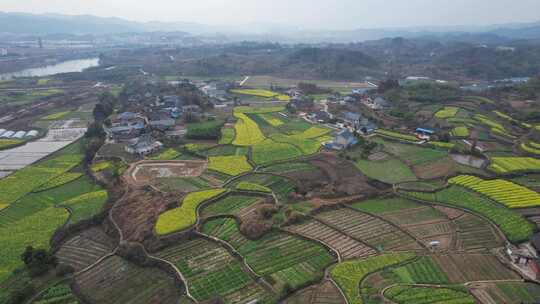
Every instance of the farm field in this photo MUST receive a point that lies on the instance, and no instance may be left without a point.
(346, 246)
(390, 170)
(8, 143)
(515, 227)
(461, 268)
(424, 270)
(476, 234)
(426, 295)
(505, 192)
(230, 165)
(36, 216)
(349, 274)
(85, 248)
(262, 93)
(379, 234)
(58, 294)
(281, 258)
(325, 293)
(447, 112)
(506, 165)
(230, 205)
(184, 216)
(138, 284)
(281, 186)
(514, 292)
(210, 270)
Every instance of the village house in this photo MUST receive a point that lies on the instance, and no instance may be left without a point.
(126, 126)
(301, 104)
(161, 120)
(343, 140)
(143, 145)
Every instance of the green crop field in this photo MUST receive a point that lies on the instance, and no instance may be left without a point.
(227, 136)
(270, 151)
(247, 186)
(413, 154)
(515, 292)
(447, 112)
(460, 132)
(514, 226)
(229, 205)
(230, 165)
(426, 295)
(184, 216)
(285, 259)
(422, 271)
(396, 135)
(56, 116)
(349, 274)
(379, 206)
(247, 131)
(271, 119)
(505, 192)
(506, 165)
(8, 143)
(58, 181)
(86, 205)
(168, 154)
(390, 171)
(32, 177)
(262, 93)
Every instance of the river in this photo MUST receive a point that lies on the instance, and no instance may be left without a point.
(69, 66)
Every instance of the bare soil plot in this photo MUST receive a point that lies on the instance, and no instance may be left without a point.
(117, 281)
(462, 268)
(137, 212)
(146, 171)
(440, 168)
(369, 229)
(85, 248)
(346, 246)
(324, 293)
(451, 213)
(333, 176)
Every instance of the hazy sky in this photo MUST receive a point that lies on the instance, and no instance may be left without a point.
(337, 14)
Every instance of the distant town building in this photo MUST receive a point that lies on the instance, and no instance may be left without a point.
(126, 126)
(161, 120)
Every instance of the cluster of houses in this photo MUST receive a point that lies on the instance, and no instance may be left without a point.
(134, 129)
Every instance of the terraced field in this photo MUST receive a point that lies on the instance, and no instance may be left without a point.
(426, 295)
(475, 234)
(461, 268)
(85, 249)
(139, 285)
(210, 270)
(283, 259)
(346, 246)
(325, 293)
(230, 205)
(371, 230)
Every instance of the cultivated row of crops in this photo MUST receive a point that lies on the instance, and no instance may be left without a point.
(513, 225)
(504, 165)
(396, 135)
(349, 274)
(502, 191)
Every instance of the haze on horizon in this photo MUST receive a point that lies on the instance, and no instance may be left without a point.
(306, 14)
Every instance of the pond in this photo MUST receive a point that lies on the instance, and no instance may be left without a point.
(69, 66)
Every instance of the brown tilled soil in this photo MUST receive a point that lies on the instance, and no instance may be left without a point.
(451, 213)
(437, 169)
(334, 177)
(136, 213)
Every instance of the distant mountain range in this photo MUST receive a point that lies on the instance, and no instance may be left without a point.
(47, 24)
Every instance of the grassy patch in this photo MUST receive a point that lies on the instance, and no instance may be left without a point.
(168, 154)
(270, 151)
(379, 206)
(460, 132)
(8, 143)
(227, 136)
(252, 187)
(56, 116)
(447, 112)
(390, 171)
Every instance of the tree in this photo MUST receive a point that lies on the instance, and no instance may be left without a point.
(38, 261)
